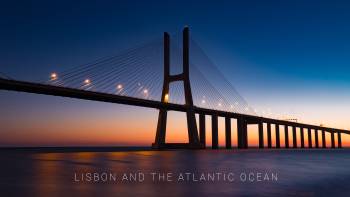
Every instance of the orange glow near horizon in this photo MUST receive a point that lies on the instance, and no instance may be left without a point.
(107, 133)
(113, 125)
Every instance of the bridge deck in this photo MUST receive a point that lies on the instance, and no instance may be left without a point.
(29, 87)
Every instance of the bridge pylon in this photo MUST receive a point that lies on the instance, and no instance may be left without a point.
(193, 138)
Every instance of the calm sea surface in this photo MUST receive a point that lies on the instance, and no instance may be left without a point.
(71, 173)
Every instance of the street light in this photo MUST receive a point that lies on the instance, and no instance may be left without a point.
(87, 81)
(53, 76)
(166, 98)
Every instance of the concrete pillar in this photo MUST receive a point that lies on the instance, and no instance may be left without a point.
(332, 139)
(295, 145)
(228, 132)
(261, 135)
(278, 144)
(245, 140)
(302, 141)
(286, 137)
(215, 133)
(339, 140)
(202, 130)
(316, 138)
(309, 137)
(269, 140)
(240, 131)
(194, 141)
(323, 139)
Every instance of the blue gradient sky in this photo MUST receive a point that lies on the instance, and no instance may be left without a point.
(291, 57)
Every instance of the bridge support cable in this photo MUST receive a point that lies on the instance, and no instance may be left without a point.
(193, 86)
(202, 63)
(136, 75)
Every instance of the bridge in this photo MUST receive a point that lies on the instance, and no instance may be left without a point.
(209, 102)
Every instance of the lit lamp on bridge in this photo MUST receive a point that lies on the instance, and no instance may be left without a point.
(87, 81)
(53, 76)
(166, 98)
(145, 92)
(119, 88)
(203, 100)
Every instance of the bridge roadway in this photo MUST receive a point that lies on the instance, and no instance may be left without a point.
(29, 87)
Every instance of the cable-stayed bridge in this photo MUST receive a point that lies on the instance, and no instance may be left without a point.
(170, 75)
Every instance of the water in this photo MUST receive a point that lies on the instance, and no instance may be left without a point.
(299, 172)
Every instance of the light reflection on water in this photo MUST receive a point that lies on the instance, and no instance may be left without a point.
(300, 173)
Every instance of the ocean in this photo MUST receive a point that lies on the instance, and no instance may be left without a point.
(143, 172)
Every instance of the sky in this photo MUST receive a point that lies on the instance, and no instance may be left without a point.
(287, 57)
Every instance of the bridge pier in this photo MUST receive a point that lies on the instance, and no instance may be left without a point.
(302, 141)
(269, 140)
(294, 132)
(286, 137)
(295, 137)
(339, 140)
(261, 134)
(309, 137)
(245, 132)
(228, 132)
(332, 139)
(239, 132)
(242, 133)
(215, 133)
(161, 128)
(196, 139)
(277, 128)
(316, 138)
(202, 130)
(323, 139)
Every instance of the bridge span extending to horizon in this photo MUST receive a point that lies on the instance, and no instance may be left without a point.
(196, 133)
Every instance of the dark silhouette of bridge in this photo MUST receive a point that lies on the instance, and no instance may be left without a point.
(196, 133)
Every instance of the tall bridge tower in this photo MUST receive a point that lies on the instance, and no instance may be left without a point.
(66, 85)
(190, 113)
